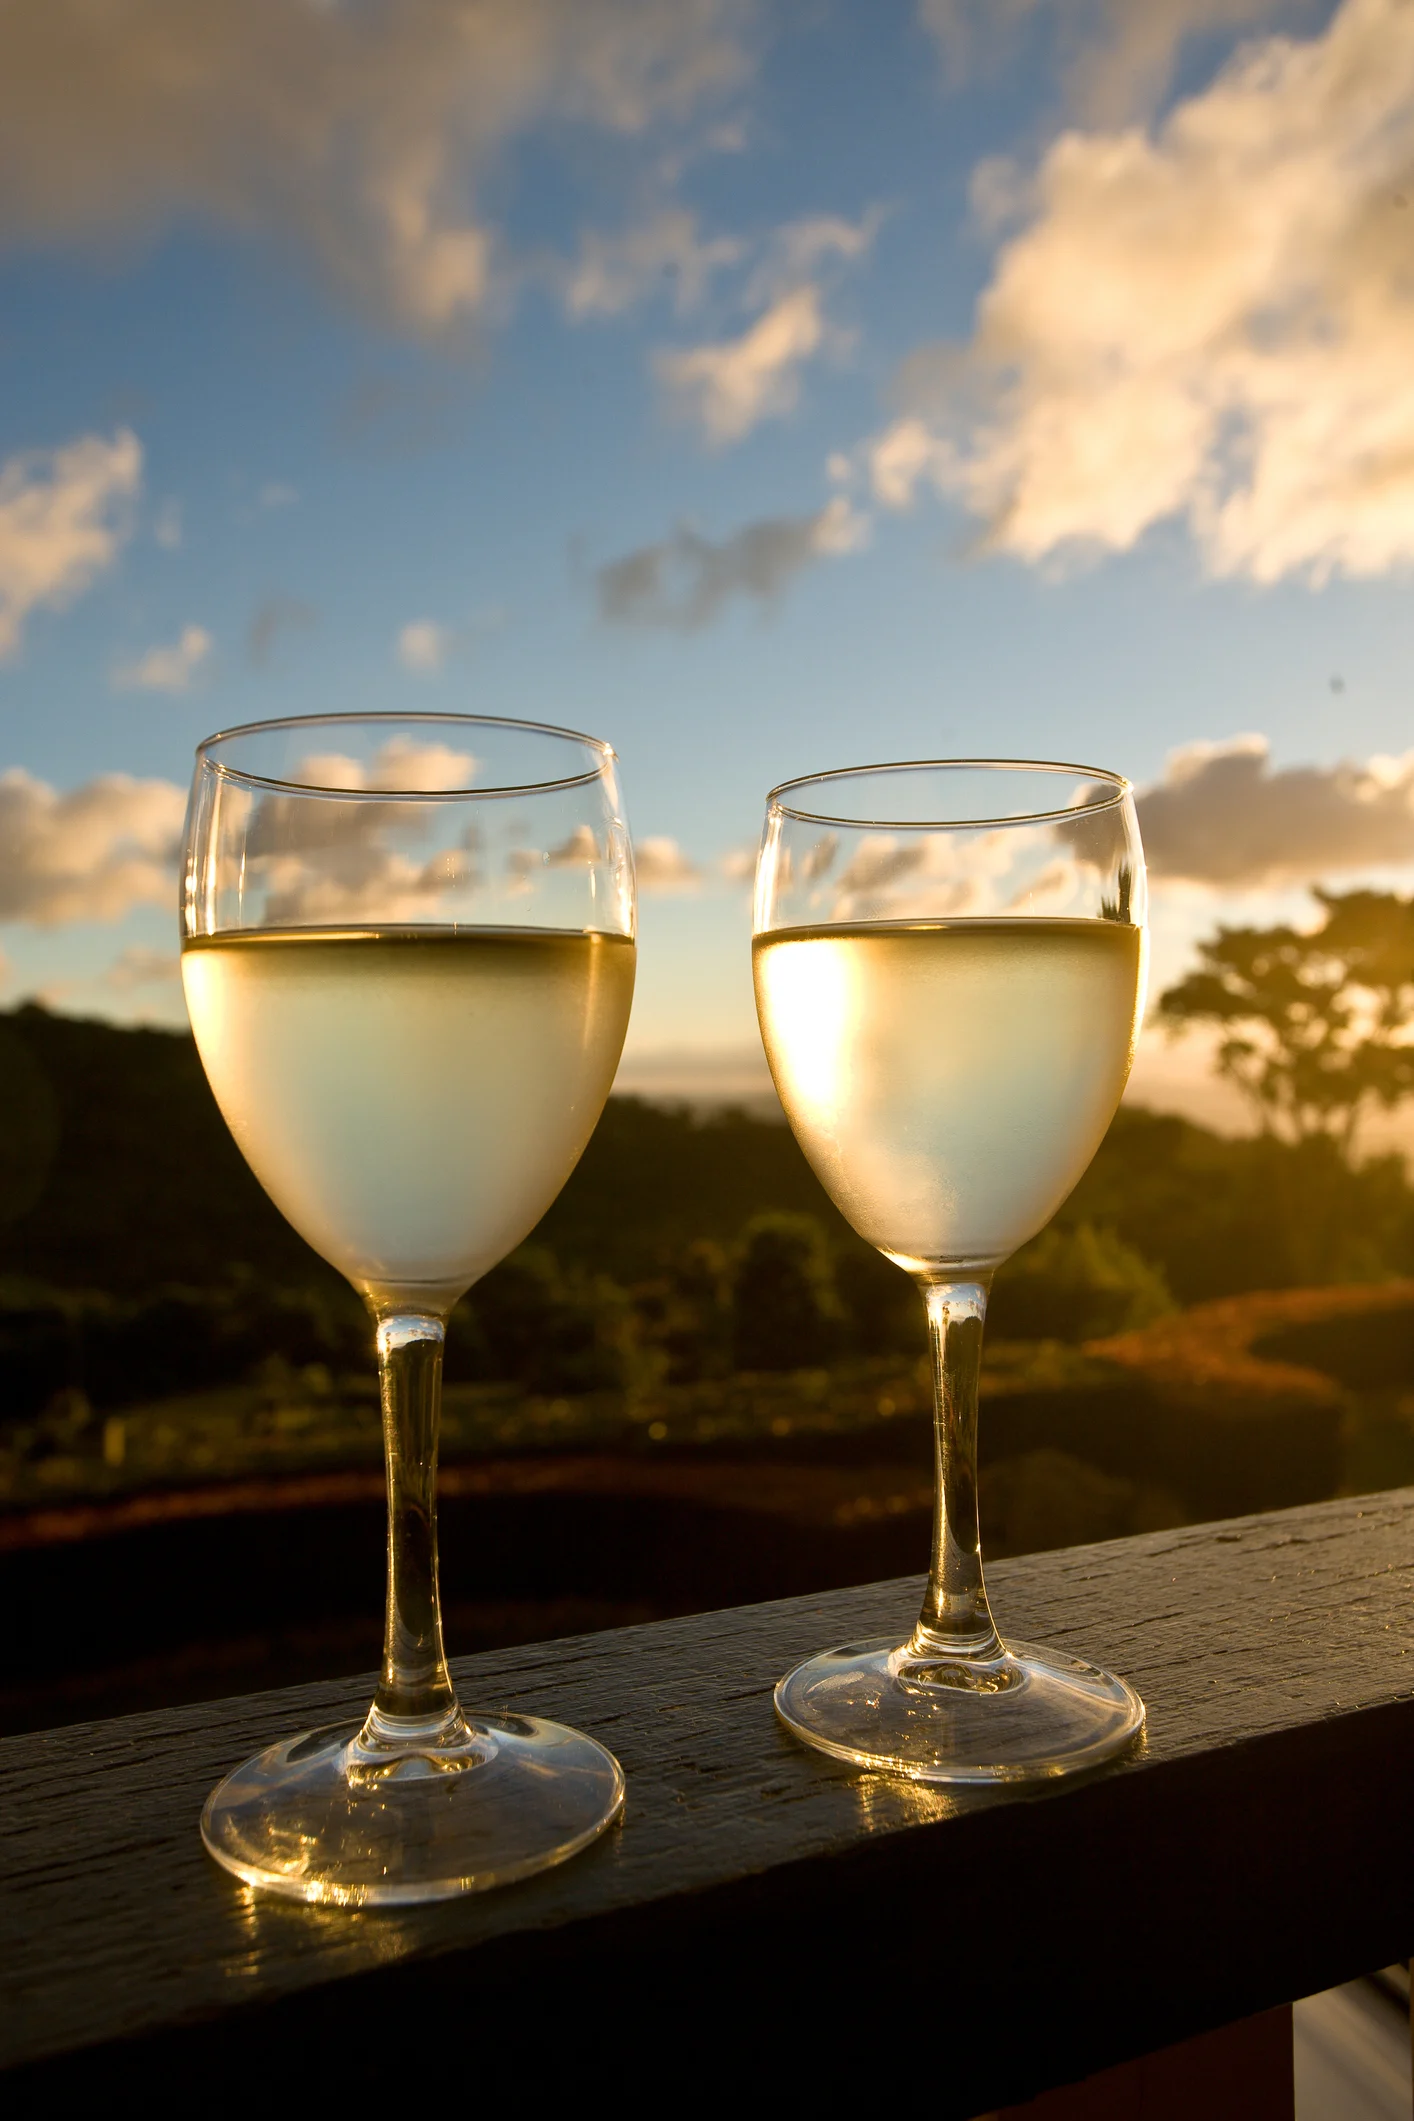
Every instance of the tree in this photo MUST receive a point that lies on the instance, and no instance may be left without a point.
(787, 1314)
(1315, 1026)
(1076, 1283)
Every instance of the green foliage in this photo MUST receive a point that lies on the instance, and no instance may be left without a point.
(117, 1171)
(1219, 1217)
(884, 1310)
(654, 1180)
(115, 1351)
(1076, 1283)
(786, 1312)
(685, 1314)
(1312, 1025)
(550, 1329)
(31, 1132)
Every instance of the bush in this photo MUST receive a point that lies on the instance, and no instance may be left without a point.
(549, 1330)
(176, 1340)
(1076, 1284)
(884, 1308)
(1220, 1217)
(684, 1315)
(786, 1314)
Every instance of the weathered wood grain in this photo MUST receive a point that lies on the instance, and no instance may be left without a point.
(1260, 1846)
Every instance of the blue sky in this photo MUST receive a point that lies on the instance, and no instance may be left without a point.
(442, 353)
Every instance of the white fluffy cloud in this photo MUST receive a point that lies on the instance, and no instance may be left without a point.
(686, 580)
(64, 515)
(423, 646)
(661, 865)
(356, 133)
(906, 455)
(729, 387)
(401, 766)
(1222, 816)
(166, 669)
(1212, 322)
(90, 854)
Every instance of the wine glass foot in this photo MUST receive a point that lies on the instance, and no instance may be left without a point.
(1027, 1714)
(310, 1819)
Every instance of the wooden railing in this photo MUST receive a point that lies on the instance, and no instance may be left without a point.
(764, 1920)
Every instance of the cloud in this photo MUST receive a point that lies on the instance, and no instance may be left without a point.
(727, 386)
(684, 582)
(353, 133)
(90, 854)
(275, 493)
(169, 669)
(661, 865)
(274, 616)
(390, 860)
(904, 456)
(401, 766)
(64, 516)
(139, 967)
(1221, 816)
(614, 272)
(1118, 57)
(1213, 322)
(730, 387)
(167, 526)
(423, 646)
(795, 252)
(352, 882)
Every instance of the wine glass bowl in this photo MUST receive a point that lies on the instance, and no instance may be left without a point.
(949, 961)
(408, 957)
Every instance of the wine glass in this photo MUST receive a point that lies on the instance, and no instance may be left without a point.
(949, 962)
(408, 955)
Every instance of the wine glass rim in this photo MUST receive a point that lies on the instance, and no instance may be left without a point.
(207, 745)
(1119, 786)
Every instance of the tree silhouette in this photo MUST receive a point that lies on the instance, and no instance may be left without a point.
(787, 1313)
(1315, 1026)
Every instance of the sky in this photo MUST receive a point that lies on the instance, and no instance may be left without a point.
(763, 385)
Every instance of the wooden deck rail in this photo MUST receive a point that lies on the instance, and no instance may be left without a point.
(762, 1917)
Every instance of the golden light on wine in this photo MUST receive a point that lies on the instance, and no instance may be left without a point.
(412, 1100)
(813, 994)
(950, 1080)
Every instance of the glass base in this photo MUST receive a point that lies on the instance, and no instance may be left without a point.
(1026, 1714)
(327, 1817)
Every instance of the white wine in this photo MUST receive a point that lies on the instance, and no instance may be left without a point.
(412, 1100)
(950, 1080)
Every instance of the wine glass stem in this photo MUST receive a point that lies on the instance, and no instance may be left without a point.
(415, 1689)
(956, 1620)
